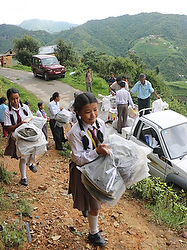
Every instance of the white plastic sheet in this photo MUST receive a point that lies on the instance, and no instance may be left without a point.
(107, 177)
(159, 105)
(63, 117)
(35, 144)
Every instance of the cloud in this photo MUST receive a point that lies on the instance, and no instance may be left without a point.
(79, 12)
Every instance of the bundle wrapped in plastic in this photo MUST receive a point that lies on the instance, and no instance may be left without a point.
(38, 121)
(159, 105)
(63, 117)
(29, 138)
(107, 177)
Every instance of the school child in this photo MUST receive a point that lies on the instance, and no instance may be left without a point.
(71, 109)
(3, 106)
(14, 116)
(58, 132)
(41, 113)
(86, 147)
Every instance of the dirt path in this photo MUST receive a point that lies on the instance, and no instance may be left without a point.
(55, 225)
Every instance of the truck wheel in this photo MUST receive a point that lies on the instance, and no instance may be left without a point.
(46, 77)
(177, 181)
(62, 76)
(34, 72)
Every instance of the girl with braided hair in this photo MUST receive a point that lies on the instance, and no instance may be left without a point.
(86, 146)
(14, 116)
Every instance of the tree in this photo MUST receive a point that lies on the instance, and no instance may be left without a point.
(91, 59)
(66, 54)
(25, 47)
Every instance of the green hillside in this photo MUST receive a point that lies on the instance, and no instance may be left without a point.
(155, 46)
(121, 33)
(118, 36)
(9, 32)
(179, 90)
(157, 51)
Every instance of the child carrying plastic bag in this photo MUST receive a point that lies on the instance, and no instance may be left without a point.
(110, 175)
(29, 138)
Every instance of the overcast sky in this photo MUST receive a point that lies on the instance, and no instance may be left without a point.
(80, 11)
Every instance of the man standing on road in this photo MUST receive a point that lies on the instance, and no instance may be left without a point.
(88, 79)
(144, 90)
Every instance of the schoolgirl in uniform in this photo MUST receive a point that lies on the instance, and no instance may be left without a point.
(86, 147)
(41, 113)
(14, 116)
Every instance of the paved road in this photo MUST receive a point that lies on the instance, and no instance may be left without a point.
(43, 90)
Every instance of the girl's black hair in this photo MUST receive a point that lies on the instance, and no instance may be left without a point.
(80, 101)
(26, 102)
(12, 91)
(40, 104)
(2, 100)
(54, 96)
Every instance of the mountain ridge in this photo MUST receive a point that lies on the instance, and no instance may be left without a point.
(47, 25)
(117, 36)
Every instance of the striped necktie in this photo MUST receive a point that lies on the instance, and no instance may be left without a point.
(18, 116)
(92, 131)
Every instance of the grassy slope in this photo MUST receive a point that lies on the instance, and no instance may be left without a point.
(179, 89)
(156, 46)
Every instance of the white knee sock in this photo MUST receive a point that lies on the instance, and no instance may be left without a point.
(30, 160)
(22, 167)
(93, 223)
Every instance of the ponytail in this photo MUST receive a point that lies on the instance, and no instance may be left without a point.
(85, 140)
(99, 133)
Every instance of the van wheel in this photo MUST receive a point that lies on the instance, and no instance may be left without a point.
(34, 72)
(46, 77)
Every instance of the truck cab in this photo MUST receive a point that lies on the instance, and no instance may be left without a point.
(165, 132)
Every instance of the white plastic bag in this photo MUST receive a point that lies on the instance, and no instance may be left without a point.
(159, 105)
(35, 144)
(107, 177)
(63, 117)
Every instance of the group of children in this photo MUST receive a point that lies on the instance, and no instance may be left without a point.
(85, 137)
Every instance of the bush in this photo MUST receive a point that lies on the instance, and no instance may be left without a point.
(5, 176)
(168, 205)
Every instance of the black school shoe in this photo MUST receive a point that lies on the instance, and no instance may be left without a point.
(97, 239)
(33, 168)
(85, 213)
(24, 182)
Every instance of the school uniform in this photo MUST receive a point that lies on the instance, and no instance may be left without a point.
(79, 156)
(10, 118)
(41, 113)
(58, 132)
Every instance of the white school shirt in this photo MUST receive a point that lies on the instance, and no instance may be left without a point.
(78, 154)
(7, 120)
(53, 109)
(123, 97)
